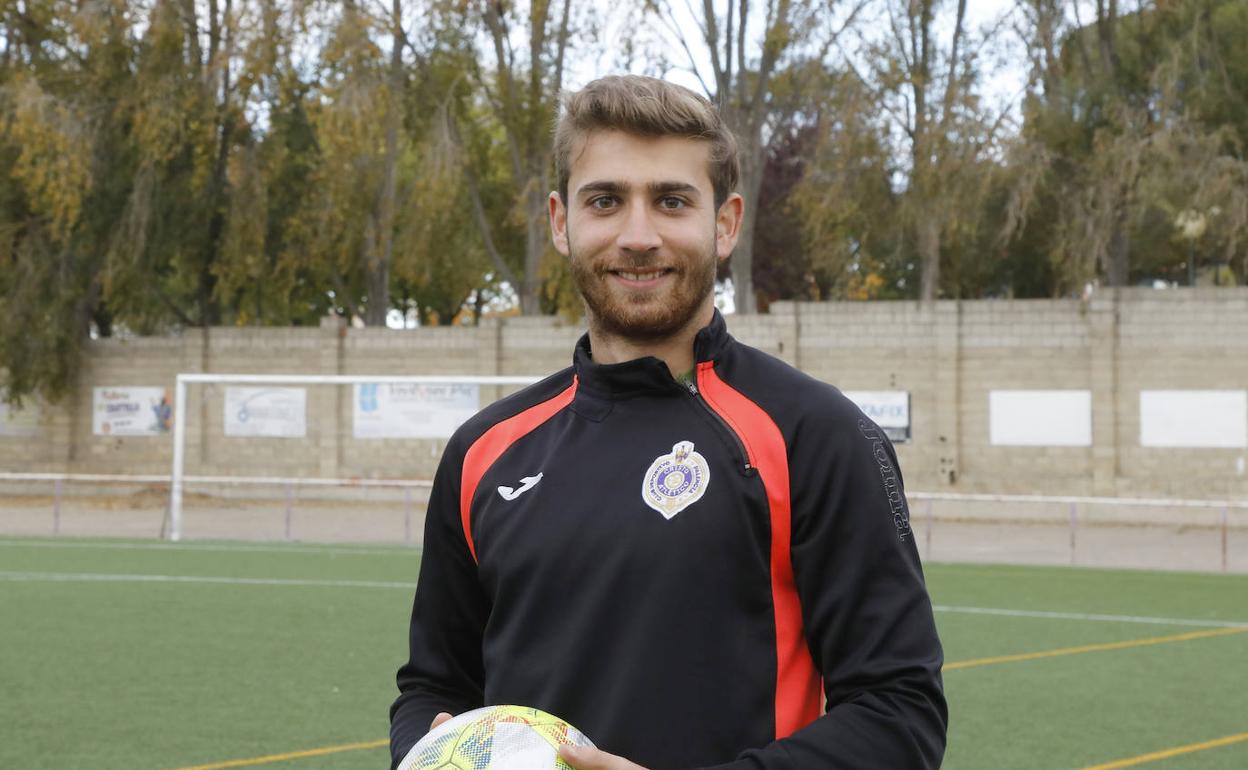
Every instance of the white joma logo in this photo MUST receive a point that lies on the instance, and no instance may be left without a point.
(526, 483)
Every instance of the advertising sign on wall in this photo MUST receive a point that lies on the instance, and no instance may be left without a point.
(269, 412)
(1194, 419)
(131, 411)
(401, 410)
(889, 409)
(1040, 417)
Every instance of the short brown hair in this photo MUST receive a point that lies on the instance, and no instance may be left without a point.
(648, 107)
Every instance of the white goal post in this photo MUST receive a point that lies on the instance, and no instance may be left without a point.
(177, 475)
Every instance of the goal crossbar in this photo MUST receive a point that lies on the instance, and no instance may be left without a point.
(177, 476)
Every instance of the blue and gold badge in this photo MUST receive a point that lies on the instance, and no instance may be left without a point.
(675, 481)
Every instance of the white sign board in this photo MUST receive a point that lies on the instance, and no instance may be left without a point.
(20, 423)
(1040, 417)
(269, 412)
(131, 411)
(889, 409)
(1197, 419)
(400, 410)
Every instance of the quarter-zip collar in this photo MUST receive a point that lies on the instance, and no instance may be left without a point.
(647, 374)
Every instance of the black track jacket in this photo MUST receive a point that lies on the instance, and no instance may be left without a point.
(681, 572)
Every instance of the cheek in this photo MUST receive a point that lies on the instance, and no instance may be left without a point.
(585, 236)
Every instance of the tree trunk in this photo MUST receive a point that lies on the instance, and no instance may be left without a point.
(377, 267)
(216, 81)
(1119, 267)
(927, 240)
(536, 232)
(377, 287)
(743, 257)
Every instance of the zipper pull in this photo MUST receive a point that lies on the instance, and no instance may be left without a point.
(692, 386)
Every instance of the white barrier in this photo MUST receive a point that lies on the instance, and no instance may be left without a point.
(1078, 517)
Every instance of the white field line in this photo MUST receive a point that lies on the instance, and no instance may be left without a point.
(297, 481)
(292, 548)
(1089, 617)
(89, 577)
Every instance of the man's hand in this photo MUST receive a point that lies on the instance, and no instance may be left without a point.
(580, 757)
(585, 758)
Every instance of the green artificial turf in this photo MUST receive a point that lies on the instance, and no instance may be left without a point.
(165, 675)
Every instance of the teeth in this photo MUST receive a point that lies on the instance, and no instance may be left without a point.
(640, 276)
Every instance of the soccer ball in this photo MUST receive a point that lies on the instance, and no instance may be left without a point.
(495, 738)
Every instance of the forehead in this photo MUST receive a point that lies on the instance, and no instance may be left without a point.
(638, 161)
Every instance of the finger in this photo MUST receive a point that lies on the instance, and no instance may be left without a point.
(439, 719)
(586, 758)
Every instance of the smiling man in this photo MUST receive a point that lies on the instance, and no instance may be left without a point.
(683, 546)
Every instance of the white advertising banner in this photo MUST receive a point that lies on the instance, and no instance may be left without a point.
(889, 409)
(20, 423)
(400, 410)
(1194, 419)
(1040, 417)
(131, 411)
(267, 412)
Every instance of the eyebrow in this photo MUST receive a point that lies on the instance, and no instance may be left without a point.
(654, 188)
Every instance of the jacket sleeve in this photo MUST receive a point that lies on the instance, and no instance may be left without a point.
(444, 671)
(866, 613)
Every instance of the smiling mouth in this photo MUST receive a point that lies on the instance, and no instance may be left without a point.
(641, 276)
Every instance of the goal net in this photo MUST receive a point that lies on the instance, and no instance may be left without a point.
(317, 457)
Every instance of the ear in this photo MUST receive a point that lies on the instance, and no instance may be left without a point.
(728, 225)
(558, 223)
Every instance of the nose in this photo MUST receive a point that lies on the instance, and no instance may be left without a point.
(638, 232)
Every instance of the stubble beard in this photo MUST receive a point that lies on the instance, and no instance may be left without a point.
(637, 315)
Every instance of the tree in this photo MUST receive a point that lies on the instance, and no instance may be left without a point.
(517, 89)
(1130, 132)
(442, 265)
(782, 265)
(845, 203)
(926, 81)
(742, 82)
(61, 148)
(136, 172)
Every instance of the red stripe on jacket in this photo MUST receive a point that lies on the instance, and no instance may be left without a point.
(491, 445)
(798, 696)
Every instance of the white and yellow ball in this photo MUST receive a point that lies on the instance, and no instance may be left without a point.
(495, 738)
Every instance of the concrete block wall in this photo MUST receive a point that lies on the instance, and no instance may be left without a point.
(948, 355)
(1171, 340)
(37, 439)
(892, 346)
(1020, 345)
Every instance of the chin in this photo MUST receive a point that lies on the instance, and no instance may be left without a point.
(642, 323)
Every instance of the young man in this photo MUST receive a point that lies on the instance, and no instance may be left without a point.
(679, 544)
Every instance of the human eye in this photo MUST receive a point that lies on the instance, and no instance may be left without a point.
(672, 203)
(603, 202)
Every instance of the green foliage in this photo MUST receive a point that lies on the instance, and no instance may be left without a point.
(231, 166)
(844, 203)
(178, 163)
(1135, 124)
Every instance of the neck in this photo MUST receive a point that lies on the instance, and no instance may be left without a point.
(675, 350)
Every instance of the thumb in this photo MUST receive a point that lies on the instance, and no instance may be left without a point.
(589, 758)
(579, 757)
(441, 718)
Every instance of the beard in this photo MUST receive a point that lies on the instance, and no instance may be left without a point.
(646, 314)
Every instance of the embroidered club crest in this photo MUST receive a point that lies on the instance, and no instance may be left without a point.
(675, 481)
